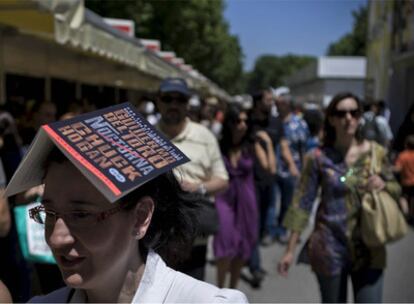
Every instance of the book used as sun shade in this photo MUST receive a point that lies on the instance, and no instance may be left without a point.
(115, 148)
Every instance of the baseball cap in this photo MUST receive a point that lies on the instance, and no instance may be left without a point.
(280, 91)
(178, 85)
(212, 101)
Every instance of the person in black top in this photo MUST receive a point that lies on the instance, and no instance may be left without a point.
(263, 126)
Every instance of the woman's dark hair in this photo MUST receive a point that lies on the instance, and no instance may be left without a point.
(409, 142)
(173, 225)
(329, 135)
(314, 120)
(231, 119)
(257, 98)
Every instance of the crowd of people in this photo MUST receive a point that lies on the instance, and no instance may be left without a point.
(263, 166)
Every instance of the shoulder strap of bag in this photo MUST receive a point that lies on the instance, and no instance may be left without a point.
(373, 159)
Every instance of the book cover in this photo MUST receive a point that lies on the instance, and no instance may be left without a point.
(115, 148)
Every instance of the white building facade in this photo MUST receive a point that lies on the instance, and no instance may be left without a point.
(321, 80)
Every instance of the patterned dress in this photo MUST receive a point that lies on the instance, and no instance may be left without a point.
(237, 209)
(335, 243)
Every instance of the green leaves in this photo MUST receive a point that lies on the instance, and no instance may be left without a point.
(354, 43)
(194, 29)
(270, 70)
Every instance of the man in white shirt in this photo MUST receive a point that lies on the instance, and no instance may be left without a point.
(205, 173)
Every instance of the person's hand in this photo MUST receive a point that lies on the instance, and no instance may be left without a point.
(284, 264)
(189, 187)
(375, 182)
(294, 171)
(264, 136)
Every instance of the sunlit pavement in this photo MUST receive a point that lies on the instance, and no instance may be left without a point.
(301, 285)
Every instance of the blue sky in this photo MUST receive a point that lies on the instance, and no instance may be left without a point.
(279, 27)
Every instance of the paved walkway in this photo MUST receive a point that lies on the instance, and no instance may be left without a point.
(301, 285)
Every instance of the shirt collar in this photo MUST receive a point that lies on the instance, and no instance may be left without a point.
(79, 296)
(184, 133)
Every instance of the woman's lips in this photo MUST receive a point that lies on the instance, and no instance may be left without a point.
(68, 262)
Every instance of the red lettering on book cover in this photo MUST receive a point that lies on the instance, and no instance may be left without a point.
(82, 160)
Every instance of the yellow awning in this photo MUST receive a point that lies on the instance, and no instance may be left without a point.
(69, 23)
(27, 16)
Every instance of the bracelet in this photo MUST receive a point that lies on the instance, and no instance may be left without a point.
(202, 189)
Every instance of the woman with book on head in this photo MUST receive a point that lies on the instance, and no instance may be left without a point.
(119, 251)
(341, 168)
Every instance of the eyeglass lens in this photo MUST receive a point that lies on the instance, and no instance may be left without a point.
(76, 218)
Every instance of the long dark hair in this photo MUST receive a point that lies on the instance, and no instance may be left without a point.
(231, 120)
(329, 136)
(173, 225)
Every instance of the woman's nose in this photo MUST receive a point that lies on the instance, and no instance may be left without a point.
(349, 116)
(60, 235)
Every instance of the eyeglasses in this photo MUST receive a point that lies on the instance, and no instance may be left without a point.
(356, 113)
(170, 99)
(78, 219)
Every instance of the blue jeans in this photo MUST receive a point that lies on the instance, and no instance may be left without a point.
(284, 189)
(366, 283)
(270, 216)
(255, 259)
(265, 198)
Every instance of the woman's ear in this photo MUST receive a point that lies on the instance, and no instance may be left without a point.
(143, 215)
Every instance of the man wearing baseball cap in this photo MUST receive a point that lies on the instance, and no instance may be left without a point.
(205, 173)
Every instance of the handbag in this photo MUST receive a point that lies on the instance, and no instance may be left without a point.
(207, 218)
(381, 219)
(32, 236)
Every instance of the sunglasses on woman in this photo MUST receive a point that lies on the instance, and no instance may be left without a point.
(240, 120)
(356, 113)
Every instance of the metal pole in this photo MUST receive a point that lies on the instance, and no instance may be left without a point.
(2, 71)
(48, 82)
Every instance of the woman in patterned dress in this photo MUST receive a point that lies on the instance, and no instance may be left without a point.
(340, 167)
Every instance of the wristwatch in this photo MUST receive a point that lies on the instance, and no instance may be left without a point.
(202, 189)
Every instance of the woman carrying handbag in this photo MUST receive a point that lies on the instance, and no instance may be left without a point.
(341, 168)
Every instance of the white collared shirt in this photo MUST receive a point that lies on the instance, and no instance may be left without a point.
(201, 147)
(162, 284)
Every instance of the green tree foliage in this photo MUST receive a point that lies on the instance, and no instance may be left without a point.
(194, 29)
(354, 43)
(270, 70)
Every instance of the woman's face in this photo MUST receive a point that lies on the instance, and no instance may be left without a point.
(345, 118)
(94, 253)
(241, 123)
(240, 128)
